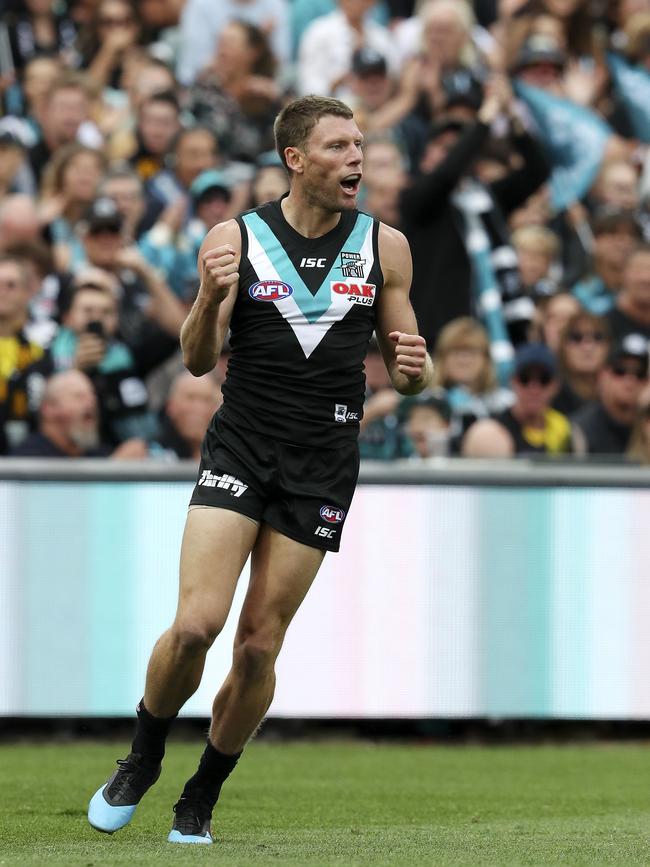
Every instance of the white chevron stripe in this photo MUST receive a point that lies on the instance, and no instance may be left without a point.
(309, 334)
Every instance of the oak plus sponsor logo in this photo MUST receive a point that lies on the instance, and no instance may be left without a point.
(270, 290)
(229, 483)
(355, 293)
(332, 514)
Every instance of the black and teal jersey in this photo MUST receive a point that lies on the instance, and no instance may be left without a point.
(300, 327)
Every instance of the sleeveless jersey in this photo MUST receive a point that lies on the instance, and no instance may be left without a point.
(301, 323)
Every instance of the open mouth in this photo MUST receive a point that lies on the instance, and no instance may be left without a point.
(351, 184)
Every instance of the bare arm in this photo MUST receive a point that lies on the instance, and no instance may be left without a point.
(404, 351)
(205, 328)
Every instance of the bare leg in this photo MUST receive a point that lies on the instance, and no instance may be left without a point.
(281, 574)
(216, 545)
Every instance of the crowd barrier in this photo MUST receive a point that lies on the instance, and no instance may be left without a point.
(463, 589)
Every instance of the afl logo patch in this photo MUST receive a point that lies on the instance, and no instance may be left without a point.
(331, 514)
(270, 290)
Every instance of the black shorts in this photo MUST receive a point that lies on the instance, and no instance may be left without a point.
(302, 492)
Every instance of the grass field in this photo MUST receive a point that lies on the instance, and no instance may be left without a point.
(343, 803)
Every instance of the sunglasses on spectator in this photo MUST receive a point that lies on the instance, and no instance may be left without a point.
(582, 336)
(543, 377)
(621, 370)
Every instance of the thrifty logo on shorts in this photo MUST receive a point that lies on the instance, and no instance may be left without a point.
(228, 483)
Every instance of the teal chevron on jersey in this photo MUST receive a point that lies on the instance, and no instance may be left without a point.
(312, 305)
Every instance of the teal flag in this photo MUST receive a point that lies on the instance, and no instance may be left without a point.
(632, 86)
(574, 137)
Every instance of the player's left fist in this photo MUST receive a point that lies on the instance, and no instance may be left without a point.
(410, 353)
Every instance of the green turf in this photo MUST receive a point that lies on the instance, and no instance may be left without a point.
(341, 803)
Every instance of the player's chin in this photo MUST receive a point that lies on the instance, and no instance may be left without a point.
(347, 201)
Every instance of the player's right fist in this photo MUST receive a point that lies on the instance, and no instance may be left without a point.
(220, 272)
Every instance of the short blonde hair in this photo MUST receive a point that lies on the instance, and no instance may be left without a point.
(537, 238)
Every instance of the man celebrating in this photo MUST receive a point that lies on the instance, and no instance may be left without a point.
(302, 283)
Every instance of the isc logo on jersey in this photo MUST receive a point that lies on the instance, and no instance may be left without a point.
(356, 292)
(270, 290)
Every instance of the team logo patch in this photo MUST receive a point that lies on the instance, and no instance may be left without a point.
(356, 292)
(331, 514)
(352, 264)
(270, 290)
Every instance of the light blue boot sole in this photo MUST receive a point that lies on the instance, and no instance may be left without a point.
(105, 818)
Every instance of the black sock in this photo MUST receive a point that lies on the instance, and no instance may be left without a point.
(214, 769)
(150, 734)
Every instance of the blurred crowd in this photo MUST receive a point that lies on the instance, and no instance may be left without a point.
(508, 139)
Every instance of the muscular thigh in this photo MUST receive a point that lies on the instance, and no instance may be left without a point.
(216, 545)
(282, 571)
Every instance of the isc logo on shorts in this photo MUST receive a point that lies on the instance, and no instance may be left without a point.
(270, 290)
(356, 292)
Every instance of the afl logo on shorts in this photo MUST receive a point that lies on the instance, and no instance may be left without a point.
(331, 514)
(270, 290)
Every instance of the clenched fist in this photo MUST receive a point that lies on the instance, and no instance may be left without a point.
(220, 272)
(410, 353)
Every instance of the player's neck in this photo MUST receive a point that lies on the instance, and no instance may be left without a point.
(308, 220)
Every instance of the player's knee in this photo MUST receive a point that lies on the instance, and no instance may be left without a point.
(255, 655)
(195, 636)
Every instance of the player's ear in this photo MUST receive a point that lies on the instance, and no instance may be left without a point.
(295, 160)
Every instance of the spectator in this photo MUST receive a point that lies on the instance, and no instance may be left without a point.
(631, 312)
(237, 96)
(202, 21)
(487, 438)
(327, 45)
(551, 317)
(462, 366)
(605, 426)
(88, 341)
(427, 425)
(616, 187)
(37, 77)
(18, 220)
(150, 315)
(68, 424)
(64, 117)
(174, 247)
(105, 43)
(39, 29)
(194, 150)
(70, 182)
(535, 427)
(270, 181)
(124, 187)
(615, 234)
(147, 145)
(44, 287)
(15, 173)
(537, 249)
(581, 354)
(191, 404)
(446, 206)
(639, 444)
(24, 364)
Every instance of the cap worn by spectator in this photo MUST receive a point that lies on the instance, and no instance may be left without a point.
(540, 49)
(103, 214)
(534, 355)
(631, 346)
(367, 61)
(461, 87)
(208, 183)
